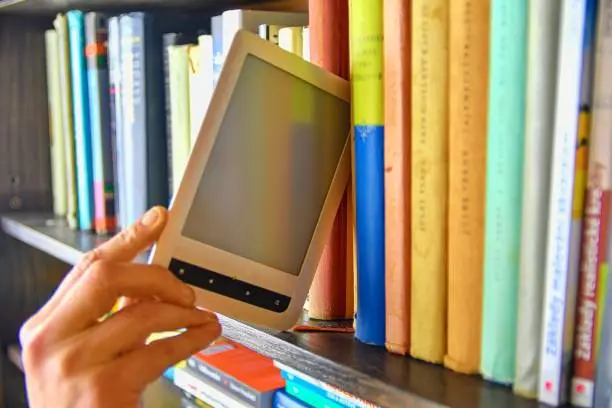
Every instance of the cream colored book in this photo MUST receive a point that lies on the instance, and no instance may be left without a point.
(58, 157)
(61, 26)
(196, 97)
(429, 178)
(178, 67)
(290, 39)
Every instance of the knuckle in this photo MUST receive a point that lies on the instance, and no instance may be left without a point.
(32, 347)
(99, 273)
(88, 259)
(129, 235)
(65, 363)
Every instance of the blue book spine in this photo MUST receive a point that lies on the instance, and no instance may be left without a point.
(337, 398)
(366, 59)
(82, 126)
(284, 400)
(309, 395)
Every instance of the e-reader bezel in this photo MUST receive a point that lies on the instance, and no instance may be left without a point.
(202, 265)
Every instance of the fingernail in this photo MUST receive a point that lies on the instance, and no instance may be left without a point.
(150, 217)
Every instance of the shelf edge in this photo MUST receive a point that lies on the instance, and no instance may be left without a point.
(41, 241)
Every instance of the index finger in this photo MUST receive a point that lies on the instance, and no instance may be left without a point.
(123, 247)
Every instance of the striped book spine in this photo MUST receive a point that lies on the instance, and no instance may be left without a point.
(366, 76)
(96, 52)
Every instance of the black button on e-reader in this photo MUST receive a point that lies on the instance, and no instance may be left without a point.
(230, 287)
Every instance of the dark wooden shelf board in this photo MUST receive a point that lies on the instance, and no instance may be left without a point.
(51, 7)
(336, 358)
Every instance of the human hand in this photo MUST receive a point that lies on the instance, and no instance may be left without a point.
(72, 358)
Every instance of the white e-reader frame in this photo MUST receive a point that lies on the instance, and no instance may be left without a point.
(226, 282)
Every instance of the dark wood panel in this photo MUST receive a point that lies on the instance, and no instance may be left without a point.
(335, 358)
(24, 124)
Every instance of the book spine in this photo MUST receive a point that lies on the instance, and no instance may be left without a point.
(603, 376)
(284, 400)
(56, 134)
(96, 51)
(61, 26)
(397, 182)
(505, 139)
(216, 30)
(228, 384)
(559, 286)
(331, 294)
(81, 120)
(309, 396)
(468, 66)
(543, 29)
(116, 118)
(151, 125)
(332, 392)
(429, 177)
(179, 110)
(366, 59)
(185, 379)
(205, 45)
(169, 39)
(595, 233)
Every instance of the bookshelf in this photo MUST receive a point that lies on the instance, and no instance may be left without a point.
(336, 358)
(35, 241)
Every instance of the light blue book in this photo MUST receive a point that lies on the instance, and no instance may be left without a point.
(309, 395)
(504, 183)
(81, 120)
(114, 65)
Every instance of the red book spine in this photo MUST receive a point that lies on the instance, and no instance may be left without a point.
(331, 293)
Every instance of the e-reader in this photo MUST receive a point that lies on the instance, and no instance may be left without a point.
(256, 204)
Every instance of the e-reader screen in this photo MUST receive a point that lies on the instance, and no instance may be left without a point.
(269, 171)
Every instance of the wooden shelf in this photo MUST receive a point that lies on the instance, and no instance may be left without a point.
(51, 7)
(336, 358)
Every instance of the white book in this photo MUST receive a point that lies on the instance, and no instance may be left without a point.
(250, 20)
(560, 285)
(542, 41)
(208, 393)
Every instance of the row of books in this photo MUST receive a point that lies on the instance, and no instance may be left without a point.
(229, 375)
(116, 149)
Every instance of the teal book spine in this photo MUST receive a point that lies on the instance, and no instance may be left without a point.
(504, 182)
(81, 119)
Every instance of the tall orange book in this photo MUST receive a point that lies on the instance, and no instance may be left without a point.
(397, 71)
(467, 129)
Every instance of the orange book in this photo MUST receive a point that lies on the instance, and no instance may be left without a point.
(467, 128)
(233, 366)
(331, 293)
(397, 77)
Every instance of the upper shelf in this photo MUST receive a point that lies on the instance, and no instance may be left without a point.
(338, 359)
(51, 7)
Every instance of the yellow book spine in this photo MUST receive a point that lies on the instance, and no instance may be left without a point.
(429, 178)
